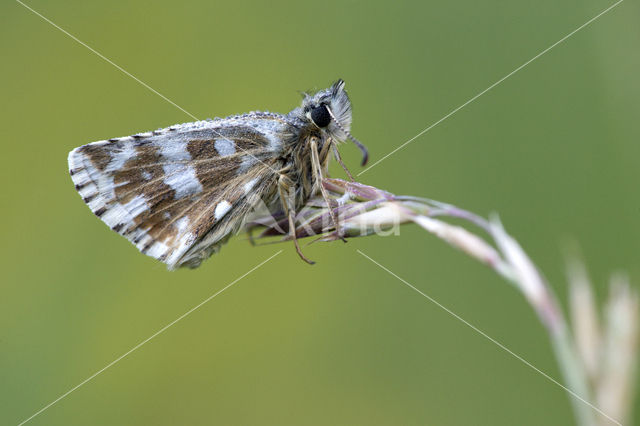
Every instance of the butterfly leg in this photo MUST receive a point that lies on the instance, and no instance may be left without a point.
(336, 154)
(287, 198)
(317, 172)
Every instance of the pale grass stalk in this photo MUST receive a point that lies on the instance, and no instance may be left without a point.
(597, 360)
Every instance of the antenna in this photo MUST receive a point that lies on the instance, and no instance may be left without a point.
(363, 149)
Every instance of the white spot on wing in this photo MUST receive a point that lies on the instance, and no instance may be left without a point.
(146, 175)
(136, 206)
(271, 129)
(225, 147)
(179, 250)
(246, 164)
(157, 249)
(249, 185)
(179, 175)
(118, 158)
(174, 151)
(221, 209)
(182, 179)
(182, 224)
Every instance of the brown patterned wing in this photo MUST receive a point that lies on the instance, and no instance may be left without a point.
(180, 192)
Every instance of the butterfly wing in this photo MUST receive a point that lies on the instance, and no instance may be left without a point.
(179, 193)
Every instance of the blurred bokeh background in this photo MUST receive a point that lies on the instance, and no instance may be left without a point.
(554, 150)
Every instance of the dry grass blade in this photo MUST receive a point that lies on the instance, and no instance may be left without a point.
(595, 368)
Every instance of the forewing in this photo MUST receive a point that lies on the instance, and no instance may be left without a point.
(180, 188)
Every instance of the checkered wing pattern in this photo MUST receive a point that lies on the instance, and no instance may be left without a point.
(178, 193)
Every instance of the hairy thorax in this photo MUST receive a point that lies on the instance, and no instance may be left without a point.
(299, 164)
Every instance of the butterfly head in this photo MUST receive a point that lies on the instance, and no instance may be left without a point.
(330, 111)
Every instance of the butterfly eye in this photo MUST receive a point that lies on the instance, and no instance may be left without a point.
(320, 116)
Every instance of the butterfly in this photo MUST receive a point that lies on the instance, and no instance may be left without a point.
(181, 192)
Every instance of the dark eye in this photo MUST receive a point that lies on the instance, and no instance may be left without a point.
(320, 116)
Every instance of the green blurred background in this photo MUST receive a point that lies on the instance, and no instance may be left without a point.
(554, 149)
